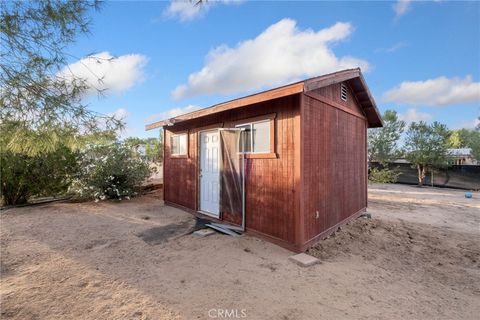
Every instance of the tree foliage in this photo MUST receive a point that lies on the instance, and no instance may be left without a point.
(36, 100)
(31, 174)
(466, 138)
(104, 168)
(454, 140)
(383, 143)
(46, 174)
(383, 175)
(426, 147)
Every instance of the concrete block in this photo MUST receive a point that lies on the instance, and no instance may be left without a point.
(204, 232)
(304, 260)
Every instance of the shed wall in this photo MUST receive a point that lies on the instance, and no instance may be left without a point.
(272, 199)
(334, 166)
(332, 92)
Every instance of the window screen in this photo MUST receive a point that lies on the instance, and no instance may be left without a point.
(256, 137)
(179, 144)
(261, 136)
(245, 143)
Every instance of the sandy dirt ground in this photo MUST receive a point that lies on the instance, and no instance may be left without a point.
(417, 258)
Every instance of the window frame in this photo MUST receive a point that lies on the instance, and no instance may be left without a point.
(179, 155)
(264, 118)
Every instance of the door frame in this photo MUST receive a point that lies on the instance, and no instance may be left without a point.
(199, 190)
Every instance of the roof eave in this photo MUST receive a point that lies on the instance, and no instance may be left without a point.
(351, 75)
(275, 93)
(368, 104)
(378, 123)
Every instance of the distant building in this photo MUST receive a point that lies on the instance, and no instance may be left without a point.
(142, 150)
(459, 157)
(400, 160)
(462, 156)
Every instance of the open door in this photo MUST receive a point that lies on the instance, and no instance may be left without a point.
(209, 178)
(232, 177)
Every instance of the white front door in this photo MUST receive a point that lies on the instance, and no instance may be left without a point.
(210, 172)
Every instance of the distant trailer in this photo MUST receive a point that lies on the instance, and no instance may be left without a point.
(287, 164)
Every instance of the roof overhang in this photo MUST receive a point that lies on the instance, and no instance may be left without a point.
(233, 104)
(354, 78)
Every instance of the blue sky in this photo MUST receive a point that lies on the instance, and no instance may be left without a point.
(421, 59)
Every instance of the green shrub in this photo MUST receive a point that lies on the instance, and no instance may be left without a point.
(23, 176)
(110, 171)
(383, 175)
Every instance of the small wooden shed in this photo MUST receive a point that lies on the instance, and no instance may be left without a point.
(305, 151)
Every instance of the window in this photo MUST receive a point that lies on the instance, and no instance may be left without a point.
(245, 138)
(261, 136)
(179, 145)
(343, 92)
(256, 137)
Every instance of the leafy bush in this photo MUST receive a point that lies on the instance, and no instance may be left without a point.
(110, 171)
(383, 175)
(46, 174)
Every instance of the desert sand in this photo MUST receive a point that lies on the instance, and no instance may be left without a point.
(417, 258)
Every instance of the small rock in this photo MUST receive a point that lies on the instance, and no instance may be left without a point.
(366, 215)
(304, 260)
(204, 232)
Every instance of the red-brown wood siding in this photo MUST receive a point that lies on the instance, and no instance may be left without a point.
(320, 166)
(178, 170)
(272, 202)
(333, 159)
(332, 92)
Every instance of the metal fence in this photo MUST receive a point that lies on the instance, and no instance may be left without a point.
(460, 177)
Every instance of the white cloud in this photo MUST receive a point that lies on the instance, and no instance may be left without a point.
(186, 10)
(171, 113)
(279, 54)
(401, 7)
(468, 124)
(392, 48)
(440, 91)
(412, 115)
(102, 71)
(120, 114)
